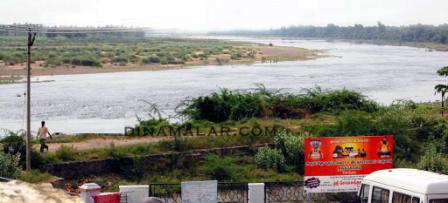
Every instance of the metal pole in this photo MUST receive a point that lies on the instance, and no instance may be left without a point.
(28, 101)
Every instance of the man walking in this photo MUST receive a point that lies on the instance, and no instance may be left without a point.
(42, 135)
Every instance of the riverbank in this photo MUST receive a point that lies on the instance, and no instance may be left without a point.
(180, 56)
(426, 45)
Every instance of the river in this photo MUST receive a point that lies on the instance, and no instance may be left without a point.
(107, 102)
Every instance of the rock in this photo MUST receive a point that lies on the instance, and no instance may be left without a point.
(18, 192)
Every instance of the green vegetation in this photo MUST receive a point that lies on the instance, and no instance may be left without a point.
(35, 176)
(223, 168)
(417, 35)
(268, 158)
(9, 166)
(420, 136)
(231, 105)
(66, 153)
(110, 51)
(442, 88)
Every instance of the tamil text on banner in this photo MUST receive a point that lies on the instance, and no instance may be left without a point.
(338, 164)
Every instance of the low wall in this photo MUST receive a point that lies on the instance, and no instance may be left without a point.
(148, 163)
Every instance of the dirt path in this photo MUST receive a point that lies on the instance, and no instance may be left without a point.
(104, 142)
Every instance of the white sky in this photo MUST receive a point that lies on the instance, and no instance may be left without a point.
(202, 15)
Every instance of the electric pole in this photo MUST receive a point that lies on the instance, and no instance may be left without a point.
(31, 38)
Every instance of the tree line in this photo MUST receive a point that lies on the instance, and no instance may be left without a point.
(412, 33)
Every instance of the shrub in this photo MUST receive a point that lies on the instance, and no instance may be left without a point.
(236, 56)
(9, 166)
(151, 59)
(13, 144)
(114, 152)
(432, 160)
(226, 105)
(291, 146)
(233, 105)
(35, 176)
(268, 158)
(65, 153)
(120, 59)
(220, 168)
(85, 61)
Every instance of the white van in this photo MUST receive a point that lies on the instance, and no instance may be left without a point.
(404, 186)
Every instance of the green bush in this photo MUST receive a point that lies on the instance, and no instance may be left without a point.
(220, 168)
(226, 105)
(35, 176)
(85, 61)
(13, 144)
(432, 160)
(9, 166)
(411, 126)
(120, 59)
(233, 105)
(268, 158)
(65, 153)
(114, 152)
(292, 148)
(151, 59)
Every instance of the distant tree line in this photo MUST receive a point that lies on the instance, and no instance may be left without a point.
(412, 33)
(71, 32)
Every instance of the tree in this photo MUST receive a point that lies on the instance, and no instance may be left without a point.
(442, 88)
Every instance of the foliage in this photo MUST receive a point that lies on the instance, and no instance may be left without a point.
(85, 61)
(65, 153)
(96, 51)
(432, 160)
(443, 71)
(35, 176)
(442, 88)
(9, 166)
(113, 152)
(151, 59)
(292, 148)
(268, 158)
(234, 105)
(410, 125)
(220, 168)
(13, 144)
(412, 33)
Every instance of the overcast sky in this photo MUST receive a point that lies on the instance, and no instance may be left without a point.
(205, 15)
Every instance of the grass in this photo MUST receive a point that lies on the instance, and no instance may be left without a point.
(65, 153)
(36, 176)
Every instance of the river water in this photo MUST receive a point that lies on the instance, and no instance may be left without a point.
(106, 103)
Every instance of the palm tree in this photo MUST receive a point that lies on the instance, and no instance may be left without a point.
(441, 89)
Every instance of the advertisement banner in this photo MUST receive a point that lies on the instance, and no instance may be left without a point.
(338, 164)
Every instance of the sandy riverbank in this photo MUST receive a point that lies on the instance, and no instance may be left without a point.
(270, 53)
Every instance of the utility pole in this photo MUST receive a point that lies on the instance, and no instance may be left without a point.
(31, 38)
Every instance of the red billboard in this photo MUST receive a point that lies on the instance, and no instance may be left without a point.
(338, 164)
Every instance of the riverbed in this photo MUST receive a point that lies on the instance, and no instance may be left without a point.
(107, 102)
